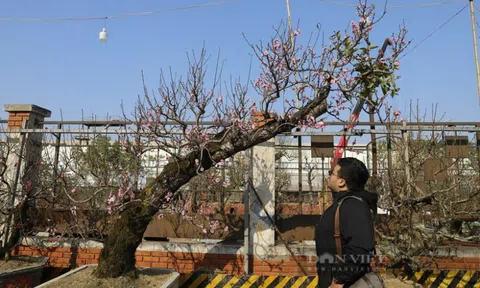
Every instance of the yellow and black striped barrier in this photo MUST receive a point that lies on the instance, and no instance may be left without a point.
(450, 279)
(432, 279)
(199, 280)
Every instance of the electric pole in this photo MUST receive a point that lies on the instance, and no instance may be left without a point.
(475, 47)
(297, 101)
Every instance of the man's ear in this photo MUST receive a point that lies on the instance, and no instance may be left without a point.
(342, 183)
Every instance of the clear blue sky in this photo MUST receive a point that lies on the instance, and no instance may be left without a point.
(62, 65)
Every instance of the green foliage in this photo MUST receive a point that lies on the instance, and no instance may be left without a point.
(104, 160)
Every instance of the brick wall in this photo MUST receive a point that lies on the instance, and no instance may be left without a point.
(15, 119)
(226, 263)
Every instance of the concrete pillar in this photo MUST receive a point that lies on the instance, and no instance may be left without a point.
(262, 229)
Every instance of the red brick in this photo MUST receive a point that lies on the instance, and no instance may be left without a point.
(159, 254)
(458, 260)
(90, 261)
(469, 266)
(151, 259)
(25, 253)
(60, 260)
(63, 249)
(143, 253)
(163, 259)
(288, 263)
(138, 258)
(448, 266)
(228, 269)
(262, 269)
(21, 248)
(143, 264)
(55, 255)
(308, 264)
(86, 256)
(472, 260)
(159, 265)
(81, 261)
(93, 251)
(292, 270)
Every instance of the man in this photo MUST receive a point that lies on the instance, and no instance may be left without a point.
(348, 178)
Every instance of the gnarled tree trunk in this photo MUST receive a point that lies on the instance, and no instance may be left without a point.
(118, 254)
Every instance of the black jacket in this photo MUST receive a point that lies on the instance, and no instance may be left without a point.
(357, 234)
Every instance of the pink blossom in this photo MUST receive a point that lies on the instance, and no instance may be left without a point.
(226, 183)
(28, 186)
(265, 53)
(297, 32)
(169, 196)
(396, 113)
(204, 231)
(73, 210)
(121, 192)
(319, 125)
(333, 62)
(220, 164)
(74, 190)
(276, 44)
(355, 28)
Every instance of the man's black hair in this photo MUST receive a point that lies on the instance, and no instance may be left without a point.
(354, 172)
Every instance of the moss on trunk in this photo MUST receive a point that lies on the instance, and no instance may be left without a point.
(118, 254)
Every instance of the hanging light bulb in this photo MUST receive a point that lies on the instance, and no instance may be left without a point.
(102, 36)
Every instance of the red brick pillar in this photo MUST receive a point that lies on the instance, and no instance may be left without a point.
(28, 117)
(32, 114)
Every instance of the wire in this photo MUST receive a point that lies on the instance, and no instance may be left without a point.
(124, 15)
(397, 6)
(435, 31)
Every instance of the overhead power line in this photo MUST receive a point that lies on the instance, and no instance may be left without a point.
(124, 15)
(429, 4)
(435, 31)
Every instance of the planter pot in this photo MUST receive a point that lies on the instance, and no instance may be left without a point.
(171, 282)
(24, 277)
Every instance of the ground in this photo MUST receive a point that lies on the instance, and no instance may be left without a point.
(85, 279)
